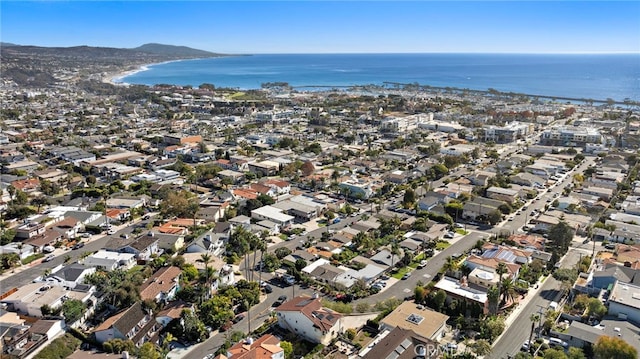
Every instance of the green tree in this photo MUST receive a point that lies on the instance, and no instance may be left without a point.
(481, 347)
(409, 199)
(595, 308)
(73, 310)
(491, 328)
(148, 351)
(182, 204)
(554, 354)
(575, 353)
(610, 347)
(439, 299)
(493, 297)
(216, 311)
(287, 347)
(494, 217)
(560, 237)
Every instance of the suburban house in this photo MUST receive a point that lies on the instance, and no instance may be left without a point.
(162, 285)
(272, 214)
(208, 242)
(265, 347)
(132, 323)
(420, 319)
(143, 247)
(69, 276)
(624, 302)
(502, 194)
(172, 311)
(30, 298)
(401, 343)
(108, 260)
(306, 317)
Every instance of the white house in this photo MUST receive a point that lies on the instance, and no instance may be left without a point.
(109, 260)
(69, 276)
(624, 301)
(22, 250)
(306, 317)
(272, 214)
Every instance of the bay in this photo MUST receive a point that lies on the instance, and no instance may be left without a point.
(590, 76)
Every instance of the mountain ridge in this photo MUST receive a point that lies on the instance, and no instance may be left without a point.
(37, 66)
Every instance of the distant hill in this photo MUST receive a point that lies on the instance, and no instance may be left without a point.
(160, 49)
(37, 66)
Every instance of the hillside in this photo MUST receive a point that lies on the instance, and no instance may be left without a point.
(161, 49)
(36, 66)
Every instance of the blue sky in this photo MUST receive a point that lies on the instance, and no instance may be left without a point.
(329, 27)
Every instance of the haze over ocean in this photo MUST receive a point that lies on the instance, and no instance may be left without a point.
(592, 76)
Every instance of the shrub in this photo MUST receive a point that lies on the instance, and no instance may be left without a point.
(60, 348)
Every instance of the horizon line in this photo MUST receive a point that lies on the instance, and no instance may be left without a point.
(593, 52)
(447, 52)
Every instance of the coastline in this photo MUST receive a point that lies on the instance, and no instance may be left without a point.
(117, 79)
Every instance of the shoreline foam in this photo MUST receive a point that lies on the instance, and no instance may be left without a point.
(117, 79)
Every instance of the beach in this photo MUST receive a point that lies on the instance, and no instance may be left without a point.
(118, 77)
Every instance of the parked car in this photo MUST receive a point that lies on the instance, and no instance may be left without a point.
(49, 258)
(238, 318)
(525, 346)
(267, 289)
(48, 249)
(78, 245)
(422, 264)
(406, 276)
(448, 235)
(281, 299)
(111, 231)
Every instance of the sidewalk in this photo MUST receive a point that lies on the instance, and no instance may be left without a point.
(520, 306)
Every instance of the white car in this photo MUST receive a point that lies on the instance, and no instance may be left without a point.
(49, 258)
(111, 231)
(525, 345)
(422, 264)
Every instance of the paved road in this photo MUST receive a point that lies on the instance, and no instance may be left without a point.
(97, 242)
(541, 201)
(513, 337)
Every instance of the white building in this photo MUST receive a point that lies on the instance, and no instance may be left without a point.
(109, 260)
(624, 301)
(306, 317)
(272, 214)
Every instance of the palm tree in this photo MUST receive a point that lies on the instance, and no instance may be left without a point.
(508, 290)
(205, 258)
(261, 245)
(451, 266)
(534, 318)
(501, 269)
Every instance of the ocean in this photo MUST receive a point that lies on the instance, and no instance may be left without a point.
(599, 77)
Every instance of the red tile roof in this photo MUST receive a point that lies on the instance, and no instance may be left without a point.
(261, 348)
(248, 194)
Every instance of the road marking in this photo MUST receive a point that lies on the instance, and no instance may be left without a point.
(427, 275)
(407, 290)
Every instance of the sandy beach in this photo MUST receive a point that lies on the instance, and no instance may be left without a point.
(117, 78)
